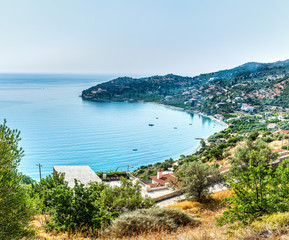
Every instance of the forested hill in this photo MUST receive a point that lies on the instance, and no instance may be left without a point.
(257, 84)
(148, 88)
(248, 70)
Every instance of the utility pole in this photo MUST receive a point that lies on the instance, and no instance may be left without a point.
(128, 166)
(39, 165)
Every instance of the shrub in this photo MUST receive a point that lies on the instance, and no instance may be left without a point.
(273, 222)
(268, 139)
(253, 136)
(150, 220)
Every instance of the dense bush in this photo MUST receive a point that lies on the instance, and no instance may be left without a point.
(87, 209)
(27, 180)
(41, 190)
(268, 139)
(150, 220)
(258, 191)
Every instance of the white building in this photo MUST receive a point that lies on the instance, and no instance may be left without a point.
(247, 108)
(84, 174)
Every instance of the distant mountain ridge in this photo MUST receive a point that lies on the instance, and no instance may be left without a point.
(257, 83)
(252, 67)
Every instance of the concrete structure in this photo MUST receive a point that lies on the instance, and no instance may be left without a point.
(281, 117)
(285, 132)
(84, 174)
(192, 101)
(272, 126)
(247, 108)
(220, 117)
(219, 104)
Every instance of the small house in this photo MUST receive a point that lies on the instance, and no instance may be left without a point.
(285, 132)
(219, 104)
(161, 181)
(247, 108)
(272, 126)
(192, 101)
(220, 117)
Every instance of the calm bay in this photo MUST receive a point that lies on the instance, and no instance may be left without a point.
(59, 128)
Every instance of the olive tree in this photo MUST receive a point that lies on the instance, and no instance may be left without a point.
(195, 178)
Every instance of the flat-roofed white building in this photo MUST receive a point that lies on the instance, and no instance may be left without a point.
(83, 174)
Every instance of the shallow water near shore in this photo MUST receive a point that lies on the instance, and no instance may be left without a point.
(59, 128)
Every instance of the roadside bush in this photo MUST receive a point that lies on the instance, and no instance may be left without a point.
(232, 141)
(253, 136)
(150, 220)
(268, 139)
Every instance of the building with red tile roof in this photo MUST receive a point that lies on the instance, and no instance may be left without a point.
(162, 179)
(282, 132)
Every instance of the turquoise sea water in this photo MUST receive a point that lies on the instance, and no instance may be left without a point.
(59, 128)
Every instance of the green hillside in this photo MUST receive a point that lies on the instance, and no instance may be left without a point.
(257, 84)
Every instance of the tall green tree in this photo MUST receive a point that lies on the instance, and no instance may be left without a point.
(196, 177)
(15, 205)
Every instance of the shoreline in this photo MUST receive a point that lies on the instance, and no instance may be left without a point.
(192, 112)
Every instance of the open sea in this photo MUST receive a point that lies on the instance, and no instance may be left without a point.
(59, 128)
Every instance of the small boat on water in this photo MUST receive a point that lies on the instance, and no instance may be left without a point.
(175, 128)
(151, 124)
(135, 149)
(157, 118)
(190, 124)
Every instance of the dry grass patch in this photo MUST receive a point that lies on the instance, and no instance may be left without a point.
(276, 145)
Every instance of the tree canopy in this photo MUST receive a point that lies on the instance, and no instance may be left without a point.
(15, 205)
(196, 177)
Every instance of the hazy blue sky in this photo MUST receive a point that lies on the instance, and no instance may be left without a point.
(140, 36)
